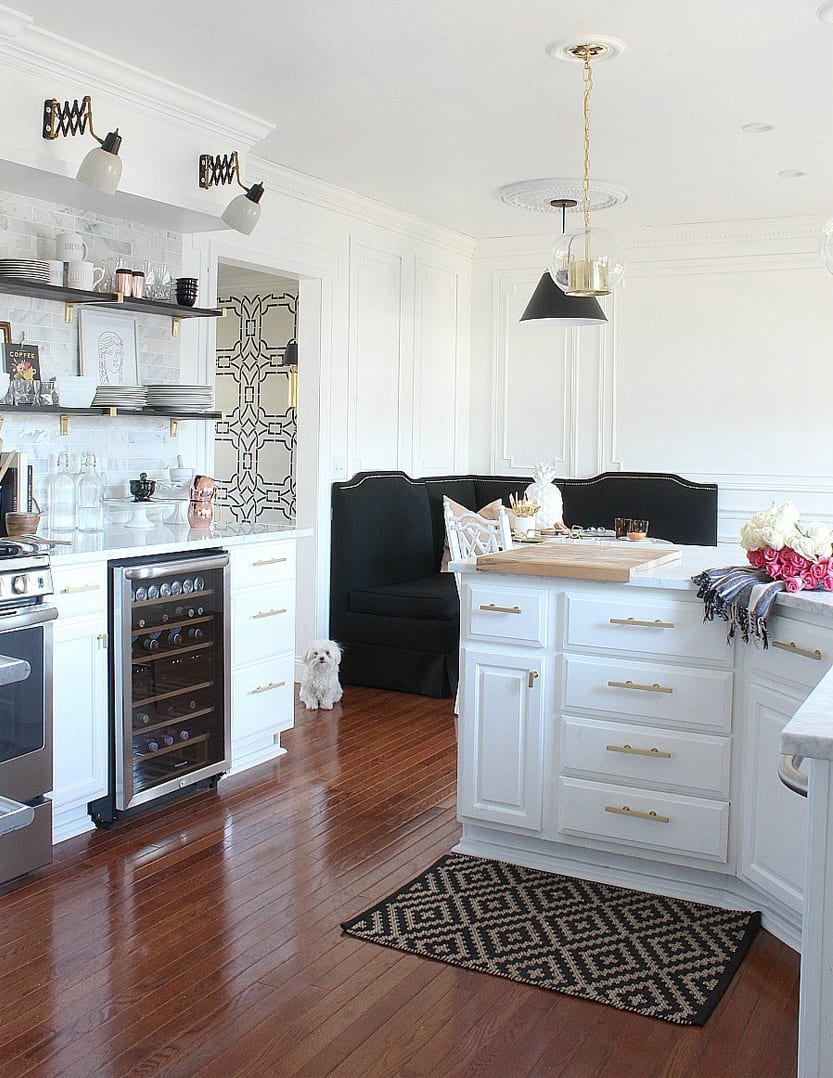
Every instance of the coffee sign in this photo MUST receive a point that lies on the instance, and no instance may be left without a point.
(22, 361)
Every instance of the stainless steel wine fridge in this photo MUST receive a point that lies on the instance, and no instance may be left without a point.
(170, 680)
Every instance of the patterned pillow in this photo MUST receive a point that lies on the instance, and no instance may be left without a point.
(488, 512)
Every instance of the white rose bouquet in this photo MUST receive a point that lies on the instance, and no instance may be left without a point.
(802, 557)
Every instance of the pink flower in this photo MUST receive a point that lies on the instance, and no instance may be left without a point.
(827, 583)
(769, 553)
(794, 583)
(818, 572)
(756, 558)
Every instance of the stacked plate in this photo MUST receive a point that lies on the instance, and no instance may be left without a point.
(132, 397)
(180, 398)
(25, 269)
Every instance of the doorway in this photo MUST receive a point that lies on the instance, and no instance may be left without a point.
(255, 446)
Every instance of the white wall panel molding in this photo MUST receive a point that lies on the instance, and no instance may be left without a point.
(436, 373)
(339, 200)
(375, 357)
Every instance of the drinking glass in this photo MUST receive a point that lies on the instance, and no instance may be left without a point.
(24, 391)
(161, 282)
(622, 525)
(638, 529)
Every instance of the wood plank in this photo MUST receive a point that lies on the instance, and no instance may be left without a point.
(205, 939)
(617, 564)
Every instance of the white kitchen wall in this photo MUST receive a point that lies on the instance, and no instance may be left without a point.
(124, 446)
(713, 365)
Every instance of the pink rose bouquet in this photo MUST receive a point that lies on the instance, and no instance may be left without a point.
(776, 542)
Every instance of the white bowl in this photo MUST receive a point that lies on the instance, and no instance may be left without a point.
(74, 392)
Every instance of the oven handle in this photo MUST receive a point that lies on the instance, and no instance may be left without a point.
(192, 565)
(26, 617)
(14, 815)
(12, 670)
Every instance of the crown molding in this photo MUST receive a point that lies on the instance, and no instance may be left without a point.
(285, 181)
(26, 47)
(800, 234)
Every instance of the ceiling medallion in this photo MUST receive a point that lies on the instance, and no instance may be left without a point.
(538, 195)
(573, 49)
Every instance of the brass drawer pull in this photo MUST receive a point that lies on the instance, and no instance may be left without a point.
(794, 649)
(656, 753)
(635, 685)
(626, 810)
(656, 624)
(500, 609)
(270, 561)
(79, 588)
(267, 688)
(533, 674)
(269, 613)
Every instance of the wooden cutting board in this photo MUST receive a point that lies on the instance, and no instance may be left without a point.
(616, 564)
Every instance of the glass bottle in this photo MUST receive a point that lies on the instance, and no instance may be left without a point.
(62, 497)
(89, 497)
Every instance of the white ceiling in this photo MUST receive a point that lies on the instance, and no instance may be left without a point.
(431, 105)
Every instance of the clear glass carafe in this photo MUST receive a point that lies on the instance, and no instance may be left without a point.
(89, 497)
(62, 497)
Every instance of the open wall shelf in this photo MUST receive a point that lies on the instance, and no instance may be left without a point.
(142, 413)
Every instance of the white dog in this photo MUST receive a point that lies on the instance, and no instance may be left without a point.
(319, 684)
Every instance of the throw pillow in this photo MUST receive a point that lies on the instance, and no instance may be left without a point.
(488, 512)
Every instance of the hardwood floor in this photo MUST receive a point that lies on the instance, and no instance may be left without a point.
(206, 940)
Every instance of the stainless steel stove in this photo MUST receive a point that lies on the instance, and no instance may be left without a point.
(25, 708)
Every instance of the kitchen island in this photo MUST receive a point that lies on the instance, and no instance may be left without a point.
(606, 732)
(262, 586)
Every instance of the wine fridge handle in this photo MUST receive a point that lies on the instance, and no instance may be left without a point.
(192, 565)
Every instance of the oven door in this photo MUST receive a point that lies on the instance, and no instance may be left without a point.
(26, 703)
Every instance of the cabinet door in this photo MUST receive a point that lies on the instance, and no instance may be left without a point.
(80, 711)
(502, 733)
(776, 819)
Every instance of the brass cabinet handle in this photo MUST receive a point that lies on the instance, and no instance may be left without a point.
(267, 688)
(533, 674)
(635, 685)
(500, 609)
(794, 649)
(269, 613)
(79, 588)
(656, 753)
(626, 810)
(656, 624)
(269, 561)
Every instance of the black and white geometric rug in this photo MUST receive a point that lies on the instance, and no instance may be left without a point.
(656, 956)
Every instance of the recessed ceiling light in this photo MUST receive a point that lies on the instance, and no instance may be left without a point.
(791, 174)
(825, 11)
(757, 129)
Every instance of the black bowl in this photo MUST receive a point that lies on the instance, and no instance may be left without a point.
(142, 488)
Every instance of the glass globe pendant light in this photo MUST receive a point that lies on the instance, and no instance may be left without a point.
(587, 261)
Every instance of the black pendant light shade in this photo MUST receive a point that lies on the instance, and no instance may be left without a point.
(549, 302)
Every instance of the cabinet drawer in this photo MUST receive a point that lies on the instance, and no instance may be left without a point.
(685, 825)
(80, 589)
(647, 626)
(263, 697)
(651, 692)
(619, 752)
(262, 623)
(797, 652)
(263, 563)
(498, 613)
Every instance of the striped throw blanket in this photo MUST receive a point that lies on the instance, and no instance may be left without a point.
(742, 596)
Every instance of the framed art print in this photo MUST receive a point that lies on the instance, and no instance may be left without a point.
(107, 347)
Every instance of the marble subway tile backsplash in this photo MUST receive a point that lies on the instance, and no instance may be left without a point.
(123, 447)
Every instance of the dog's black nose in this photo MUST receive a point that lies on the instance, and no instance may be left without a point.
(322, 659)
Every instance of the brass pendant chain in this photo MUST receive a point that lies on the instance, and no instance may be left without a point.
(588, 86)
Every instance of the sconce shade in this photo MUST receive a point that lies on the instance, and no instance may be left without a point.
(549, 303)
(101, 168)
(243, 212)
(290, 354)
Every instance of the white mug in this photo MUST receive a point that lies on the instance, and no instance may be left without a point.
(56, 271)
(69, 247)
(84, 275)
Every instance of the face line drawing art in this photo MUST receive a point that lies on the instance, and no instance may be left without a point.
(110, 359)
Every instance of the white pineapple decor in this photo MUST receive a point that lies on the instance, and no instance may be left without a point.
(544, 491)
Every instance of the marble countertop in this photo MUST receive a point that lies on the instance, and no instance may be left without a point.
(677, 575)
(116, 541)
(809, 733)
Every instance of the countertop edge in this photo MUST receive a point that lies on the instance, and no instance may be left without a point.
(121, 543)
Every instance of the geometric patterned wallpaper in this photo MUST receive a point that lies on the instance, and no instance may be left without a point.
(255, 444)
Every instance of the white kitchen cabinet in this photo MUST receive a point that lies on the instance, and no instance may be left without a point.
(775, 832)
(262, 650)
(502, 736)
(80, 727)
